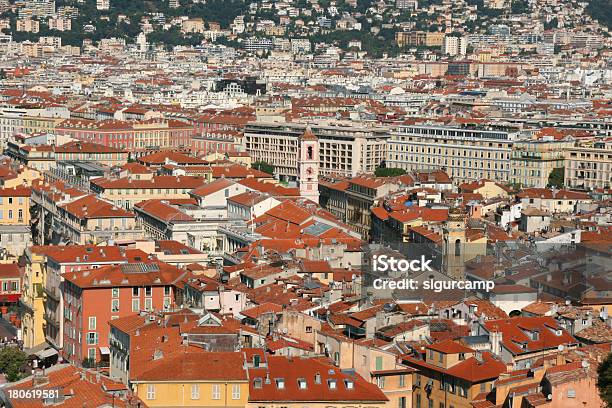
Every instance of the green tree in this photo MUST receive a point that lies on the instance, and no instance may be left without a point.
(389, 172)
(12, 363)
(263, 166)
(600, 10)
(520, 7)
(604, 380)
(556, 177)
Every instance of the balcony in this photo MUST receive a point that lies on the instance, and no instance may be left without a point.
(51, 320)
(53, 293)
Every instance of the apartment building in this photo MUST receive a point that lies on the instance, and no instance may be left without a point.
(87, 152)
(522, 341)
(94, 297)
(419, 38)
(14, 220)
(296, 382)
(194, 379)
(32, 299)
(532, 161)
(90, 220)
(130, 135)
(126, 192)
(361, 195)
(465, 154)
(40, 157)
(451, 374)
(10, 284)
(28, 25)
(589, 166)
(343, 150)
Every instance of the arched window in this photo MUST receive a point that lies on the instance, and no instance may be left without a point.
(458, 247)
(310, 152)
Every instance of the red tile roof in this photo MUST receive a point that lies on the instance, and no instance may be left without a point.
(157, 182)
(195, 367)
(449, 347)
(91, 207)
(155, 273)
(517, 331)
(349, 387)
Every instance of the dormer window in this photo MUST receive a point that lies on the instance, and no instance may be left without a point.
(280, 383)
(301, 383)
(349, 384)
(257, 383)
(461, 356)
(331, 384)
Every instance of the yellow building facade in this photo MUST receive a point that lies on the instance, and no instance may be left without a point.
(15, 206)
(32, 299)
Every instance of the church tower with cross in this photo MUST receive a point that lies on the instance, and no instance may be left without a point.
(308, 165)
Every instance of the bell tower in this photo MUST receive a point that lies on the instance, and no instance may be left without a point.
(308, 165)
(455, 243)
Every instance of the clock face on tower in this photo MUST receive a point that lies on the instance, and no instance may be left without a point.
(309, 170)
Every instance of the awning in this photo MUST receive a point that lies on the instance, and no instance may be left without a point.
(12, 298)
(104, 350)
(50, 352)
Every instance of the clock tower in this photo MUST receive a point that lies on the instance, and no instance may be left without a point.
(308, 165)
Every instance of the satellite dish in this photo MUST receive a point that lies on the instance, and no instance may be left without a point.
(561, 347)
(549, 397)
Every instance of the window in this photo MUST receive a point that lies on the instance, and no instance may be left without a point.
(308, 329)
(92, 338)
(166, 290)
(135, 292)
(115, 305)
(148, 304)
(430, 404)
(417, 380)
(280, 383)
(10, 214)
(380, 381)
(235, 391)
(216, 391)
(148, 291)
(379, 363)
(115, 292)
(402, 380)
(135, 305)
(195, 391)
(92, 323)
(302, 383)
(418, 401)
(440, 357)
(91, 354)
(150, 391)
